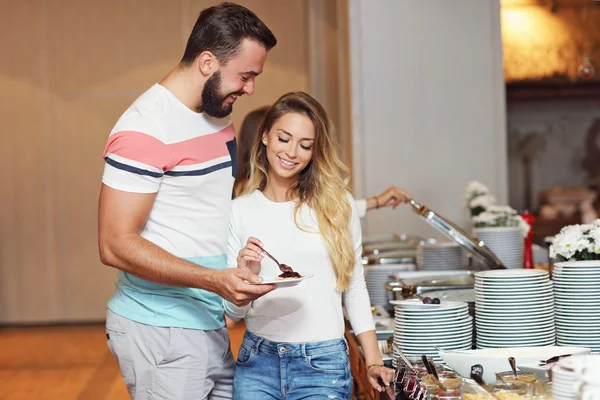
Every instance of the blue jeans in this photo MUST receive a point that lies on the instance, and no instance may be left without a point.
(290, 371)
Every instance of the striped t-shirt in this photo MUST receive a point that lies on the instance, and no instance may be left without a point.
(189, 159)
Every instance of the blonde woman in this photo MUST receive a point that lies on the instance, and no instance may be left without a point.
(392, 197)
(296, 205)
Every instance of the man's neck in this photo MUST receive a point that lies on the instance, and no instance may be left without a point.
(186, 86)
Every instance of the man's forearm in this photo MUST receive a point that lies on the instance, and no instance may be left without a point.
(142, 258)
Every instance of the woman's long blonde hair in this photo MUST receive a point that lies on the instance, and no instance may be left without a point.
(322, 184)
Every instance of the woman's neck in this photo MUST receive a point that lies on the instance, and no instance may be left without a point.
(278, 189)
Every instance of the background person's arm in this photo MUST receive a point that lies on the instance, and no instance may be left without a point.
(391, 197)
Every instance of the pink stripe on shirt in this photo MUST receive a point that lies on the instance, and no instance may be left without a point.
(146, 149)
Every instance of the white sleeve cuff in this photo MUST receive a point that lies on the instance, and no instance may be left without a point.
(361, 206)
(234, 312)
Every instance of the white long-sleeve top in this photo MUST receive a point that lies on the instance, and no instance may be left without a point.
(361, 207)
(311, 310)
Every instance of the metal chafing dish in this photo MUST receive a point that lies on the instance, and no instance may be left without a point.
(404, 285)
(392, 249)
(457, 285)
(374, 246)
(406, 256)
(394, 237)
(409, 284)
(476, 247)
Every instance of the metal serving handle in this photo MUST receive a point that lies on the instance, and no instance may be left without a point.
(409, 291)
(477, 248)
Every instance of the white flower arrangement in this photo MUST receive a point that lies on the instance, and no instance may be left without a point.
(501, 216)
(486, 213)
(483, 201)
(476, 188)
(478, 197)
(577, 242)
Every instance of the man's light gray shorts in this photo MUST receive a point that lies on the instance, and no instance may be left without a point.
(171, 363)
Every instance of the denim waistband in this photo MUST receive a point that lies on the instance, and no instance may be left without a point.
(260, 344)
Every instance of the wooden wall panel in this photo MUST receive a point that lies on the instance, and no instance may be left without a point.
(93, 43)
(286, 68)
(70, 68)
(26, 225)
(86, 284)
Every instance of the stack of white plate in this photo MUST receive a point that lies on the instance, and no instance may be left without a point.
(569, 373)
(420, 328)
(376, 277)
(514, 308)
(441, 256)
(506, 242)
(577, 304)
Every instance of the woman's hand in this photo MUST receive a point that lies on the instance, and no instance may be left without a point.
(251, 255)
(378, 375)
(391, 197)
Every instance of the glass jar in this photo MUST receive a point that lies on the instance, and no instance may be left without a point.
(439, 394)
(450, 379)
(408, 381)
(418, 364)
(530, 377)
(514, 390)
(543, 390)
(470, 391)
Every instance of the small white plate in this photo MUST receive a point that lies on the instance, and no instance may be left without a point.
(505, 327)
(511, 293)
(275, 280)
(534, 313)
(464, 295)
(415, 305)
(515, 343)
(503, 274)
(434, 333)
(516, 287)
(538, 319)
(481, 330)
(528, 281)
(437, 319)
(441, 324)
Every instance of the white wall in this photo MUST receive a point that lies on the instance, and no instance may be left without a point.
(428, 105)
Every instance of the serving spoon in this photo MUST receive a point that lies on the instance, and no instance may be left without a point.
(283, 267)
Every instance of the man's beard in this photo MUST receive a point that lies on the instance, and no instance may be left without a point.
(213, 102)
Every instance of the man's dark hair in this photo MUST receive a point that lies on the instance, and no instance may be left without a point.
(221, 29)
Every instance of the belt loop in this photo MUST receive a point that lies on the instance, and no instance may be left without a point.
(304, 355)
(258, 342)
(347, 346)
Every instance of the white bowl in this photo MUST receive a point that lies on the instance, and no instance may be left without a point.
(496, 360)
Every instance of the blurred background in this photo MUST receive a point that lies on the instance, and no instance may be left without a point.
(427, 95)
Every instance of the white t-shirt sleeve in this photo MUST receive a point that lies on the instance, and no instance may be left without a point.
(361, 207)
(136, 155)
(356, 297)
(234, 245)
